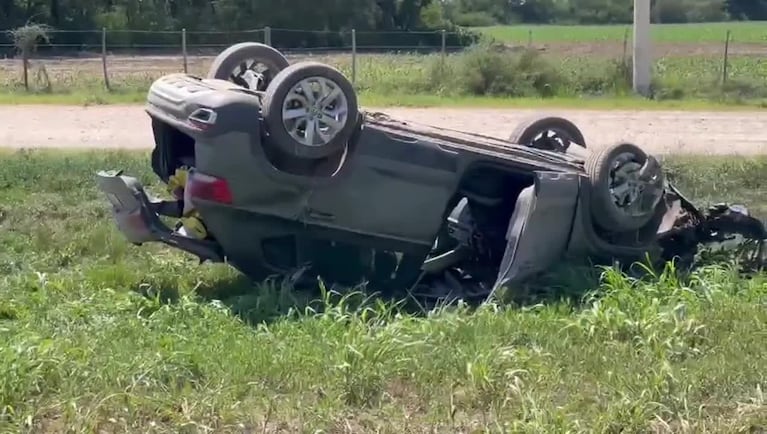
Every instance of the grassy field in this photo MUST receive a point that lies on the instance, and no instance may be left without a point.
(102, 336)
(754, 32)
(566, 73)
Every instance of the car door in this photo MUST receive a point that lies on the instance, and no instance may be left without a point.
(394, 189)
(540, 226)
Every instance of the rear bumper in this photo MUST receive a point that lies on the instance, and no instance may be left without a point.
(138, 217)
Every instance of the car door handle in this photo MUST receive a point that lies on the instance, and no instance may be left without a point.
(320, 215)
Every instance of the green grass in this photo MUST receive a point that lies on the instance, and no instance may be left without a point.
(102, 336)
(742, 32)
(480, 77)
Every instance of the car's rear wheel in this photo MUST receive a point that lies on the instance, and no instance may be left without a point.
(310, 110)
(622, 197)
(547, 132)
(248, 64)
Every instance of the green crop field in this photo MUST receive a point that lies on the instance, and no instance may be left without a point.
(742, 32)
(102, 336)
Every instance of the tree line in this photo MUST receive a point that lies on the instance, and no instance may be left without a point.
(330, 20)
(337, 17)
(493, 12)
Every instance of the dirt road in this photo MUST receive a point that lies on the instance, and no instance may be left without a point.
(103, 127)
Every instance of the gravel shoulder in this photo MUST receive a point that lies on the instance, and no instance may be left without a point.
(659, 132)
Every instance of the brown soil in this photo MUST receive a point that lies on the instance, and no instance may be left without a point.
(105, 127)
(616, 49)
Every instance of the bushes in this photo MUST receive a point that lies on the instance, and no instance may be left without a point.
(485, 72)
(690, 11)
(499, 71)
(490, 70)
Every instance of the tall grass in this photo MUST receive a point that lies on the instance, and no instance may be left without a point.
(102, 336)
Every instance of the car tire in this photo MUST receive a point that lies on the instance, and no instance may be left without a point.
(284, 91)
(237, 57)
(605, 211)
(526, 132)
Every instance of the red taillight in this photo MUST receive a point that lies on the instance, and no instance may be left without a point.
(206, 187)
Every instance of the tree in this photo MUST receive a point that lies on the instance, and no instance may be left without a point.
(748, 9)
(25, 39)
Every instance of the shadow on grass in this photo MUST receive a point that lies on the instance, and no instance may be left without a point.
(280, 298)
(253, 302)
(277, 299)
(258, 302)
(565, 282)
(164, 294)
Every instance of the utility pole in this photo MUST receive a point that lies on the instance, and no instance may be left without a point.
(642, 48)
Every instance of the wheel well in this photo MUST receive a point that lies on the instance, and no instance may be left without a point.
(324, 167)
(491, 191)
(492, 185)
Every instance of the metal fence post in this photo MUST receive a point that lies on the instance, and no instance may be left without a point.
(268, 35)
(104, 57)
(183, 50)
(354, 56)
(726, 60)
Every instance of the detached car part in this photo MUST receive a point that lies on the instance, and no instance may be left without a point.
(288, 173)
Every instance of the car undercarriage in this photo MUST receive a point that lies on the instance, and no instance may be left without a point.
(395, 205)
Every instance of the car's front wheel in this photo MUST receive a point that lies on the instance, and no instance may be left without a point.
(626, 186)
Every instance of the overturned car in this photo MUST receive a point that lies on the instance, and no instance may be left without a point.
(274, 168)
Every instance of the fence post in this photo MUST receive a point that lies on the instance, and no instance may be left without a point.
(354, 56)
(625, 46)
(183, 50)
(25, 66)
(268, 35)
(530, 38)
(726, 60)
(104, 57)
(444, 43)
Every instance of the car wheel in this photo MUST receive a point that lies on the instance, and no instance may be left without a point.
(310, 110)
(248, 64)
(626, 186)
(550, 133)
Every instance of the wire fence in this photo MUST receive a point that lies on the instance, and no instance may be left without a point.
(66, 42)
(74, 57)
